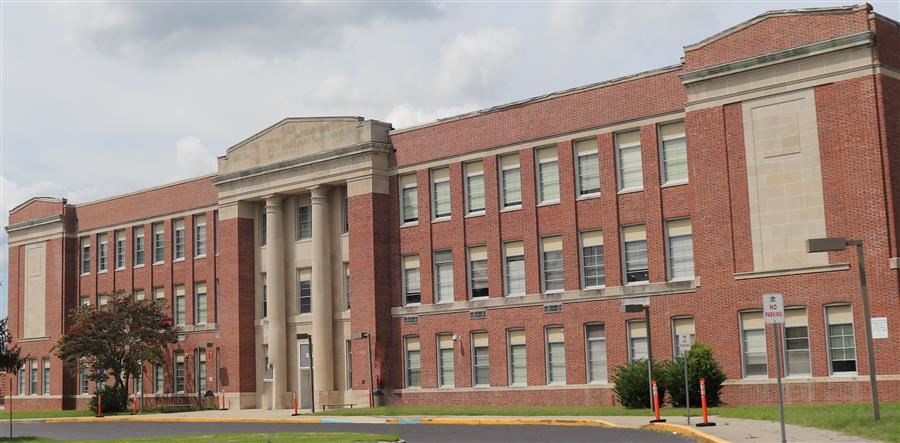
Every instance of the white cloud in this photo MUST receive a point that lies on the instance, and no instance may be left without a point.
(474, 63)
(192, 159)
(406, 115)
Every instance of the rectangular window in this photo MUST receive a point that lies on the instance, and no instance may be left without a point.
(201, 370)
(587, 167)
(304, 222)
(682, 326)
(346, 285)
(84, 300)
(265, 296)
(510, 181)
(345, 212)
(478, 272)
(21, 379)
(596, 353)
(409, 198)
(514, 267)
(635, 250)
(84, 380)
(348, 345)
(474, 188)
(552, 264)
(518, 364)
(45, 377)
(631, 172)
(217, 244)
(413, 363)
(158, 379)
(440, 193)
(199, 236)
(412, 291)
(556, 355)
(304, 291)
(548, 175)
(841, 339)
(102, 300)
(680, 249)
(139, 294)
(796, 342)
(139, 246)
(159, 294)
(179, 306)
(102, 253)
(85, 255)
(443, 276)
(637, 340)
(120, 249)
(753, 344)
(159, 243)
(34, 377)
(179, 372)
(139, 379)
(480, 360)
(263, 221)
(673, 147)
(178, 240)
(200, 306)
(446, 361)
(593, 260)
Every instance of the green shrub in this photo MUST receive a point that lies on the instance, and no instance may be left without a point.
(701, 364)
(631, 385)
(114, 400)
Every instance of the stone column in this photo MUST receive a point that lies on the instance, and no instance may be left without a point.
(276, 309)
(321, 294)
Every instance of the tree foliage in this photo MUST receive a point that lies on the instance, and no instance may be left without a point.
(701, 364)
(112, 341)
(631, 385)
(10, 355)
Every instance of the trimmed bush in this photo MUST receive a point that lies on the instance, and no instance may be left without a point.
(632, 387)
(114, 400)
(701, 364)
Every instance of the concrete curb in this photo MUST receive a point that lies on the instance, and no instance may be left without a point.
(686, 431)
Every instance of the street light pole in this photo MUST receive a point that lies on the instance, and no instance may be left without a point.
(646, 310)
(368, 338)
(839, 244)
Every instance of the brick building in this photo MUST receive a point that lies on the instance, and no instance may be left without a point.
(489, 256)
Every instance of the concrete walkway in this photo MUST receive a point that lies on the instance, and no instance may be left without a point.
(726, 429)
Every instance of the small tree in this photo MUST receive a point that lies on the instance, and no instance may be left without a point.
(632, 386)
(115, 339)
(701, 364)
(11, 359)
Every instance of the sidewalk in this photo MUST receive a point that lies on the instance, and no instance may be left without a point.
(726, 429)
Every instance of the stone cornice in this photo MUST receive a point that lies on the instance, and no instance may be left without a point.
(786, 55)
(33, 223)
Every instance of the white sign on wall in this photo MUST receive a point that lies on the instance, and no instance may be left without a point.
(773, 308)
(879, 327)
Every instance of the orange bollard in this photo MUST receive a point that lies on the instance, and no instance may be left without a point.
(222, 406)
(134, 404)
(706, 421)
(296, 408)
(656, 404)
(99, 405)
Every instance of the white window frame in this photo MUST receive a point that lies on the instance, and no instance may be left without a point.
(407, 367)
(587, 354)
(852, 323)
(120, 259)
(631, 356)
(509, 357)
(675, 346)
(474, 367)
(577, 167)
(620, 176)
(102, 253)
(159, 243)
(200, 243)
(544, 266)
(470, 276)
(140, 246)
(669, 259)
(304, 275)
(743, 348)
(663, 171)
(503, 170)
(406, 186)
(547, 360)
(435, 217)
(506, 273)
(436, 276)
(542, 200)
(200, 318)
(404, 279)
(178, 241)
(784, 341)
(624, 254)
(175, 302)
(304, 208)
(581, 265)
(85, 251)
(472, 171)
(441, 383)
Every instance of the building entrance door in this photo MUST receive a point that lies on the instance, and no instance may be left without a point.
(305, 374)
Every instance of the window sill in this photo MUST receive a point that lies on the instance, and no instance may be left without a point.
(844, 374)
(481, 386)
(479, 298)
(447, 387)
(303, 240)
(638, 283)
(102, 272)
(85, 273)
(120, 269)
(672, 184)
(511, 208)
(440, 219)
(410, 224)
(412, 304)
(630, 190)
(475, 214)
(675, 280)
(593, 288)
(137, 266)
(515, 295)
(158, 263)
(518, 385)
(178, 260)
(548, 203)
(197, 257)
(554, 291)
(588, 196)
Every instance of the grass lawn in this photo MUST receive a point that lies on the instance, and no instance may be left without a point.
(4, 415)
(852, 419)
(284, 437)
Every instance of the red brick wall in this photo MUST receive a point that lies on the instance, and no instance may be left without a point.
(776, 33)
(35, 210)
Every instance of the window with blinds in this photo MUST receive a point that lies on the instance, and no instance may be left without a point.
(510, 181)
(304, 220)
(446, 361)
(443, 276)
(412, 292)
(514, 268)
(593, 260)
(102, 253)
(637, 340)
(635, 250)
(409, 198)
(159, 243)
(673, 149)
(547, 175)
(474, 187)
(199, 235)
(680, 249)
(796, 342)
(480, 360)
(178, 239)
(304, 291)
(440, 193)
(552, 264)
(120, 249)
(200, 305)
(841, 339)
(628, 156)
(682, 326)
(587, 167)
(518, 364)
(413, 362)
(139, 245)
(753, 344)
(179, 306)
(556, 355)
(595, 335)
(478, 272)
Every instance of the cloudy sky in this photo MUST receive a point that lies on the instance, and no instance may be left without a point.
(98, 99)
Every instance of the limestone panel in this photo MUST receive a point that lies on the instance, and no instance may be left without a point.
(35, 291)
(784, 177)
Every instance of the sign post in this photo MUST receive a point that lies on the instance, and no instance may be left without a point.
(684, 343)
(773, 313)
